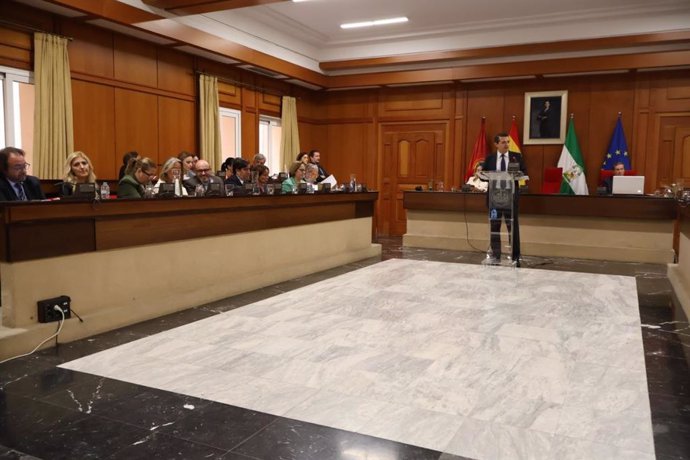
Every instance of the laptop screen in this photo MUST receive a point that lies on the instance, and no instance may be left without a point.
(628, 185)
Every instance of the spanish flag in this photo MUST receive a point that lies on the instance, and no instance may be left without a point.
(514, 138)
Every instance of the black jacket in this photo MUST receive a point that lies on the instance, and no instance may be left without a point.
(32, 189)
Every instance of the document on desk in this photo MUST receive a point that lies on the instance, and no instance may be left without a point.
(330, 180)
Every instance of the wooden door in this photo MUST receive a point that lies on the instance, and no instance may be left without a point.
(413, 155)
(674, 151)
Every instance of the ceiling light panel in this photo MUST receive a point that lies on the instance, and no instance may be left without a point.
(375, 22)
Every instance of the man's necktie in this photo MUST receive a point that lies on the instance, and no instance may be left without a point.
(503, 162)
(20, 191)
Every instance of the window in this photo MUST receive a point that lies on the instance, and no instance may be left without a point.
(230, 133)
(17, 110)
(269, 142)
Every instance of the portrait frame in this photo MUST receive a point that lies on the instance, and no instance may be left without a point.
(545, 117)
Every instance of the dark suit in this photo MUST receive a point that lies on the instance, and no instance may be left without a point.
(322, 173)
(191, 183)
(31, 185)
(234, 180)
(608, 183)
(490, 164)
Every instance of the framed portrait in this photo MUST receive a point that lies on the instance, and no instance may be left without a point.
(545, 117)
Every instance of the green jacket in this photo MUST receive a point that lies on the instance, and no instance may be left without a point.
(128, 187)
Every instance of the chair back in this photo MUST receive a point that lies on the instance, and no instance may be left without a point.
(606, 173)
(552, 180)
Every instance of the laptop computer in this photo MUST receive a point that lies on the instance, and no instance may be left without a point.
(627, 185)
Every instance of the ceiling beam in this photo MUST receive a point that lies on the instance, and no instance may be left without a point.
(588, 44)
(186, 7)
(516, 69)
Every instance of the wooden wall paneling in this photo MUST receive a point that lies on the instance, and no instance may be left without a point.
(229, 95)
(347, 150)
(92, 50)
(459, 128)
(386, 194)
(15, 48)
(415, 103)
(18, 13)
(135, 61)
(270, 104)
(681, 150)
(136, 124)
(176, 127)
(483, 103)
(671, 92)
(175, 72)
(93, 108)
(351, 105)
(250, 123)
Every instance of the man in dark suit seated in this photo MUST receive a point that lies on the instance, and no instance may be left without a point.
(15, 184)
(240, 173)
(498, 161)
(203, 176)
(618, 170)
(315, 158)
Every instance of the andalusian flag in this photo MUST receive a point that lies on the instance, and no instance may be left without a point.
(574, 182)
(514, 145)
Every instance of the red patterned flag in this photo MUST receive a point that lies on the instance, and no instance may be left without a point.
(479, 152)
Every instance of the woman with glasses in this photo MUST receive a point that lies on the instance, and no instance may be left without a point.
(297, 170)
(133, 185)
(78, 170)
(172, 169)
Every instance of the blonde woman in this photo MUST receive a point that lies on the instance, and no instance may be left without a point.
(78, 170)
(171, 168)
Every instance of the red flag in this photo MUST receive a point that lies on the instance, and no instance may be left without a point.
(514, 138)
(478, 153)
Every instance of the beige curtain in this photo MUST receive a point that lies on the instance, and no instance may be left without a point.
(53, 131)
(289, 145)
(209, 119)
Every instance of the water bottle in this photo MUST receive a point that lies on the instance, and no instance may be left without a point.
(105, 191)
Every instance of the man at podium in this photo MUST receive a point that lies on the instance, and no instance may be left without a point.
(498, 161)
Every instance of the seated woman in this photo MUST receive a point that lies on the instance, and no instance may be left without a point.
(303, 157)
(187, 159)
(125, 161)
(78, 170)
(477, 184)
(261, 176)
(296, 176)
(172, 169)
(132, 185)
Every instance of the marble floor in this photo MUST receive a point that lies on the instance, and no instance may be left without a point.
(425, 355)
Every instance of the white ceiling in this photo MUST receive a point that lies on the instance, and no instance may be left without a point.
(307, 33)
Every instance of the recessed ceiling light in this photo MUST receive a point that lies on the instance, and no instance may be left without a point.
(377, 22)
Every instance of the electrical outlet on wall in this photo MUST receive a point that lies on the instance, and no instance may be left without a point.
(47, 312)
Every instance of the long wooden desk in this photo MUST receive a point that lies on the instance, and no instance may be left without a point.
(624, 228)
(125, 261)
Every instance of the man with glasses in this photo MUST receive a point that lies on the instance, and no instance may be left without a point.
(202, 176)
(15, 184)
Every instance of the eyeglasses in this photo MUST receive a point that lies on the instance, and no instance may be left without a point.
(148, 174)
(23, 167)
(203, 170)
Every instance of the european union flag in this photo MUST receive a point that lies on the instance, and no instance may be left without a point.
(618, 149)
